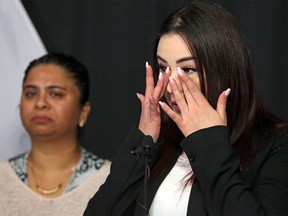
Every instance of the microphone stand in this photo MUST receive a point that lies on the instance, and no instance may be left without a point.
(144, 153)
(147, 157)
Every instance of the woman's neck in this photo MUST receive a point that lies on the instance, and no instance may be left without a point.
(54, 155)
(51, 164)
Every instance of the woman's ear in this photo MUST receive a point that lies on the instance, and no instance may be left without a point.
(84, 114)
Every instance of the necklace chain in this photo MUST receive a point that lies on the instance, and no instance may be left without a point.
(54, 190)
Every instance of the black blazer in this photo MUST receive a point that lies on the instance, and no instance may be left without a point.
(219, 187)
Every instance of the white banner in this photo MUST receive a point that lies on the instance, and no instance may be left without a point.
(19, 44)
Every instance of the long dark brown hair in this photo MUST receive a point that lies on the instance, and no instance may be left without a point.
(214, 37)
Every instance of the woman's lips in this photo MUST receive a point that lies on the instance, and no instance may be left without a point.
(41, 119)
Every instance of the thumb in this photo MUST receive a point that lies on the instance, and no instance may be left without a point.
(222, 102)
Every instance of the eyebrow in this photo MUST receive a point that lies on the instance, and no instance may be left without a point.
(48, 87)
(179, 60)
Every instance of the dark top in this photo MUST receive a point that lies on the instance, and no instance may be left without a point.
(219, 187)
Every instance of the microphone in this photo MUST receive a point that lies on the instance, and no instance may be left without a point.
(144, 152)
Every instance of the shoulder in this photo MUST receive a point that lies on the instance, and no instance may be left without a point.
(4, 164)
(90, 160)
(90, 164)
(273, 153)
(19, 165)
(7, 174)
(19, 158)
(279, 140)
(281, 135)
(275, 144)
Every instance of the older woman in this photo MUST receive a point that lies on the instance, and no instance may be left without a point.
(57, 177)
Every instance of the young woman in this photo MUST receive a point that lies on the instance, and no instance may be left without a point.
(57, 177)
(216, 150)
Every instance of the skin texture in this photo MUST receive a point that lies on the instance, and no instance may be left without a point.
(173, 53)
(187, 106)
(48, 93)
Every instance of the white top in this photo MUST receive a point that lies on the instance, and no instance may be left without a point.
(16, 199)
(172, 196)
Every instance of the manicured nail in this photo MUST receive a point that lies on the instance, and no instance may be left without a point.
(167, 70)
(146, 64)
(179, 71)
(160, 76)
(138, 95)
(161, 103)
(227, 92)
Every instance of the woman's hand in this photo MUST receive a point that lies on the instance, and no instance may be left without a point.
(150, 119)
(196, 112)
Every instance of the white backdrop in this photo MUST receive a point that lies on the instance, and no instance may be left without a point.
(19, 44)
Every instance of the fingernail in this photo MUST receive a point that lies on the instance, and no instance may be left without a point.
(160, 75)
(171, 80)
(167, 70)
(179, 71)
(138, 95)
(227, 92)
(161, 103)
(146, 64)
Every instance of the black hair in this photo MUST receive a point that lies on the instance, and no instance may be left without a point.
(74, 68)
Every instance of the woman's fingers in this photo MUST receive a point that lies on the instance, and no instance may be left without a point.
(165, 76)
(154, 108)
(173, 115)
(221, 104)
(141, 97)
(190, 100)
(179, 98)
(156, 94)
(195, 111)
(156, 91)
(149, 80)
(150, 120)
(192, 88)
(161, 85)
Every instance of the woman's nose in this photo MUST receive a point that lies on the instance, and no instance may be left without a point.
(177, 80)
(41, 102)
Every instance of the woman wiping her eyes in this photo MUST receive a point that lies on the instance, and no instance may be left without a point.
(214, 148)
